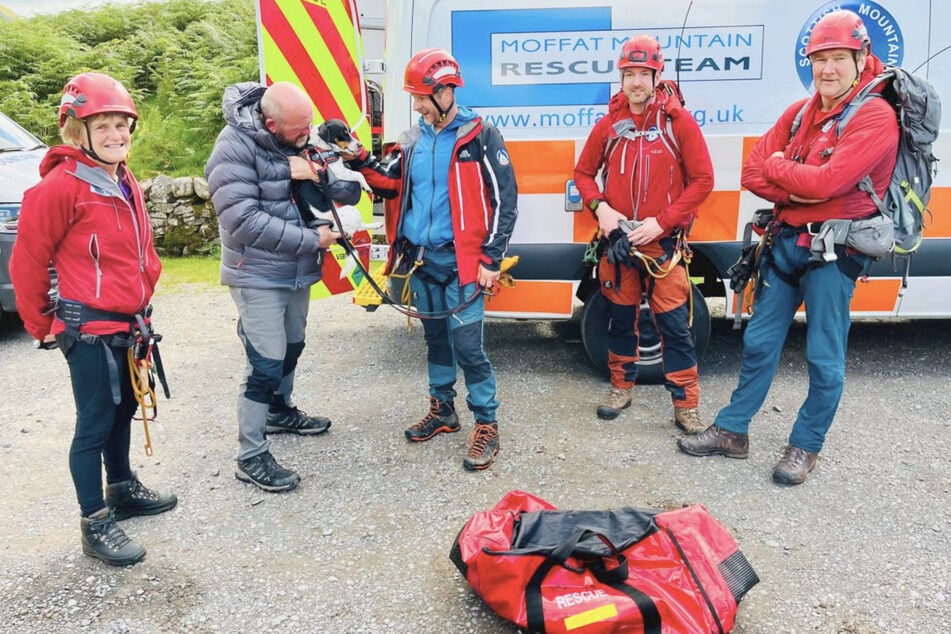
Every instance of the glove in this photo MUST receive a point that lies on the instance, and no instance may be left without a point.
(619, 249)
(742, 269)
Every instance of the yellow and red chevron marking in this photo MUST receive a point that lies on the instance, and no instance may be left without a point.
(317, 45)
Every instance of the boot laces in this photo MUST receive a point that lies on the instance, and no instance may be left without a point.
(480, 438)
(141, 492)
(110, 534)
(434, 406)
(794, 457)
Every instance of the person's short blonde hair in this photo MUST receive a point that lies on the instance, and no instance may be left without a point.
(72, 132)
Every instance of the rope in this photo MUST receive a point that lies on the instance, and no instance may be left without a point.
(143, 387)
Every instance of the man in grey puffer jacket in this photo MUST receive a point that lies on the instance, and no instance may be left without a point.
(269, 258)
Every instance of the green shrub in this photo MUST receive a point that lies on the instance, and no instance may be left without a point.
(175, 57)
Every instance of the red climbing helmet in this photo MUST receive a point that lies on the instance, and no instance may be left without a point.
(838, 29)
(93, 93)
(430, 70)
(641, 51)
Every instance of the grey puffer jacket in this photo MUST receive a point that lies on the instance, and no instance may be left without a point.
(264, 242)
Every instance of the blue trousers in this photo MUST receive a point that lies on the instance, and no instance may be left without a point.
(827, 292)
(456, 340)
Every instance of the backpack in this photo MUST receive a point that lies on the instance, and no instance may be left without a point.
(918, 110)
(626, 129)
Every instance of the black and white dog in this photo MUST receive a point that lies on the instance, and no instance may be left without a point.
(334, 136)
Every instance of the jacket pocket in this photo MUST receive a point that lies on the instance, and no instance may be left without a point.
(94, 254)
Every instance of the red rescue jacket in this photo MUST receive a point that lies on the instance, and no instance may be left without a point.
(817, 164)
(78, 221)
(656, 174)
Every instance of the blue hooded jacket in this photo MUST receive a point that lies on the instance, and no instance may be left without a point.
(428, 221)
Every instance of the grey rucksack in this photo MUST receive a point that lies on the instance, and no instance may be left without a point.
(918, 109)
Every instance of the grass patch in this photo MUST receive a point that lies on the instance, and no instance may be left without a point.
(192, 270)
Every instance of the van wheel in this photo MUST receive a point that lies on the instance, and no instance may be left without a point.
(650, 368)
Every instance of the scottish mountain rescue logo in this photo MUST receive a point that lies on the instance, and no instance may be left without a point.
(888, 43)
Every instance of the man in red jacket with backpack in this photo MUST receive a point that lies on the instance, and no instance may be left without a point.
(656, 170)
(809, 169)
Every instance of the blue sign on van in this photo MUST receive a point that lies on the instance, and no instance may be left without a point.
(472, 33)
(888, 44)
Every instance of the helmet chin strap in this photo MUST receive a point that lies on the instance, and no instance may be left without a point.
(442, 113)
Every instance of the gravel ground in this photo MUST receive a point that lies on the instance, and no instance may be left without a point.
(864, 546)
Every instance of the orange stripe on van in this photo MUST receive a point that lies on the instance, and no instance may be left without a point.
(717, 217)
(542, 167)
(533, 296)
(939, 226)
(585, 225)
(876, 295)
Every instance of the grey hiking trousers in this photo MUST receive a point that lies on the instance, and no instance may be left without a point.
(271, 325)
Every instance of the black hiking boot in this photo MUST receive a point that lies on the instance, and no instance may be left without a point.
(263, 471)
(290, 420)
(441, 418)
(483, 446)
(103, 539)
(131, 498)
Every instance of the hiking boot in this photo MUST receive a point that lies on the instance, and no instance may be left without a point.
(290, 420)
(131, 498)
(262, 470)
(612, 404)
(714, 441)
(483, 446)
(103, 539)
(688, 419)
(794, 466)
(441, 418)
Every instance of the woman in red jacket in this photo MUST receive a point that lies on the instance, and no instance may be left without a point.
(87, 218)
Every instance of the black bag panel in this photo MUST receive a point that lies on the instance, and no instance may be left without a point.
(540, 532)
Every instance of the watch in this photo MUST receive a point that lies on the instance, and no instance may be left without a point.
(593, 205)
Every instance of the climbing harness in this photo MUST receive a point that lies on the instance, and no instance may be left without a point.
(144, 363)
(141, 343)
(404, 304)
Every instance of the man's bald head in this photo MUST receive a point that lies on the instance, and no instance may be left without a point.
(288, 113)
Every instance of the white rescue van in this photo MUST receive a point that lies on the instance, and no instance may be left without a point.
(542, 71)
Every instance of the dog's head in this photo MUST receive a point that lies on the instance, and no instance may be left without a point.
(335, 135)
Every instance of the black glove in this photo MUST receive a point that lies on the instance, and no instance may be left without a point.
(619, 249)
(742, 269)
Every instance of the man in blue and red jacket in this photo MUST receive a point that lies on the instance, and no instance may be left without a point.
(454, 209)
(810, 173)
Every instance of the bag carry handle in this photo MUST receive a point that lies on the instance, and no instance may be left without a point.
(614, 578)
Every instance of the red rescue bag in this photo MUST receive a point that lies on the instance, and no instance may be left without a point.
(586, 572)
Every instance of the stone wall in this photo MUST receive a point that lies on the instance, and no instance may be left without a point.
(183, 219)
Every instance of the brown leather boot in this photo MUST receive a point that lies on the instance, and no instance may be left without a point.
(714, 441)
(688, 419)
(794, 466)
(612, 404)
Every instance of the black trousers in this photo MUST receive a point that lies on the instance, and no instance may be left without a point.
(102, 430)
